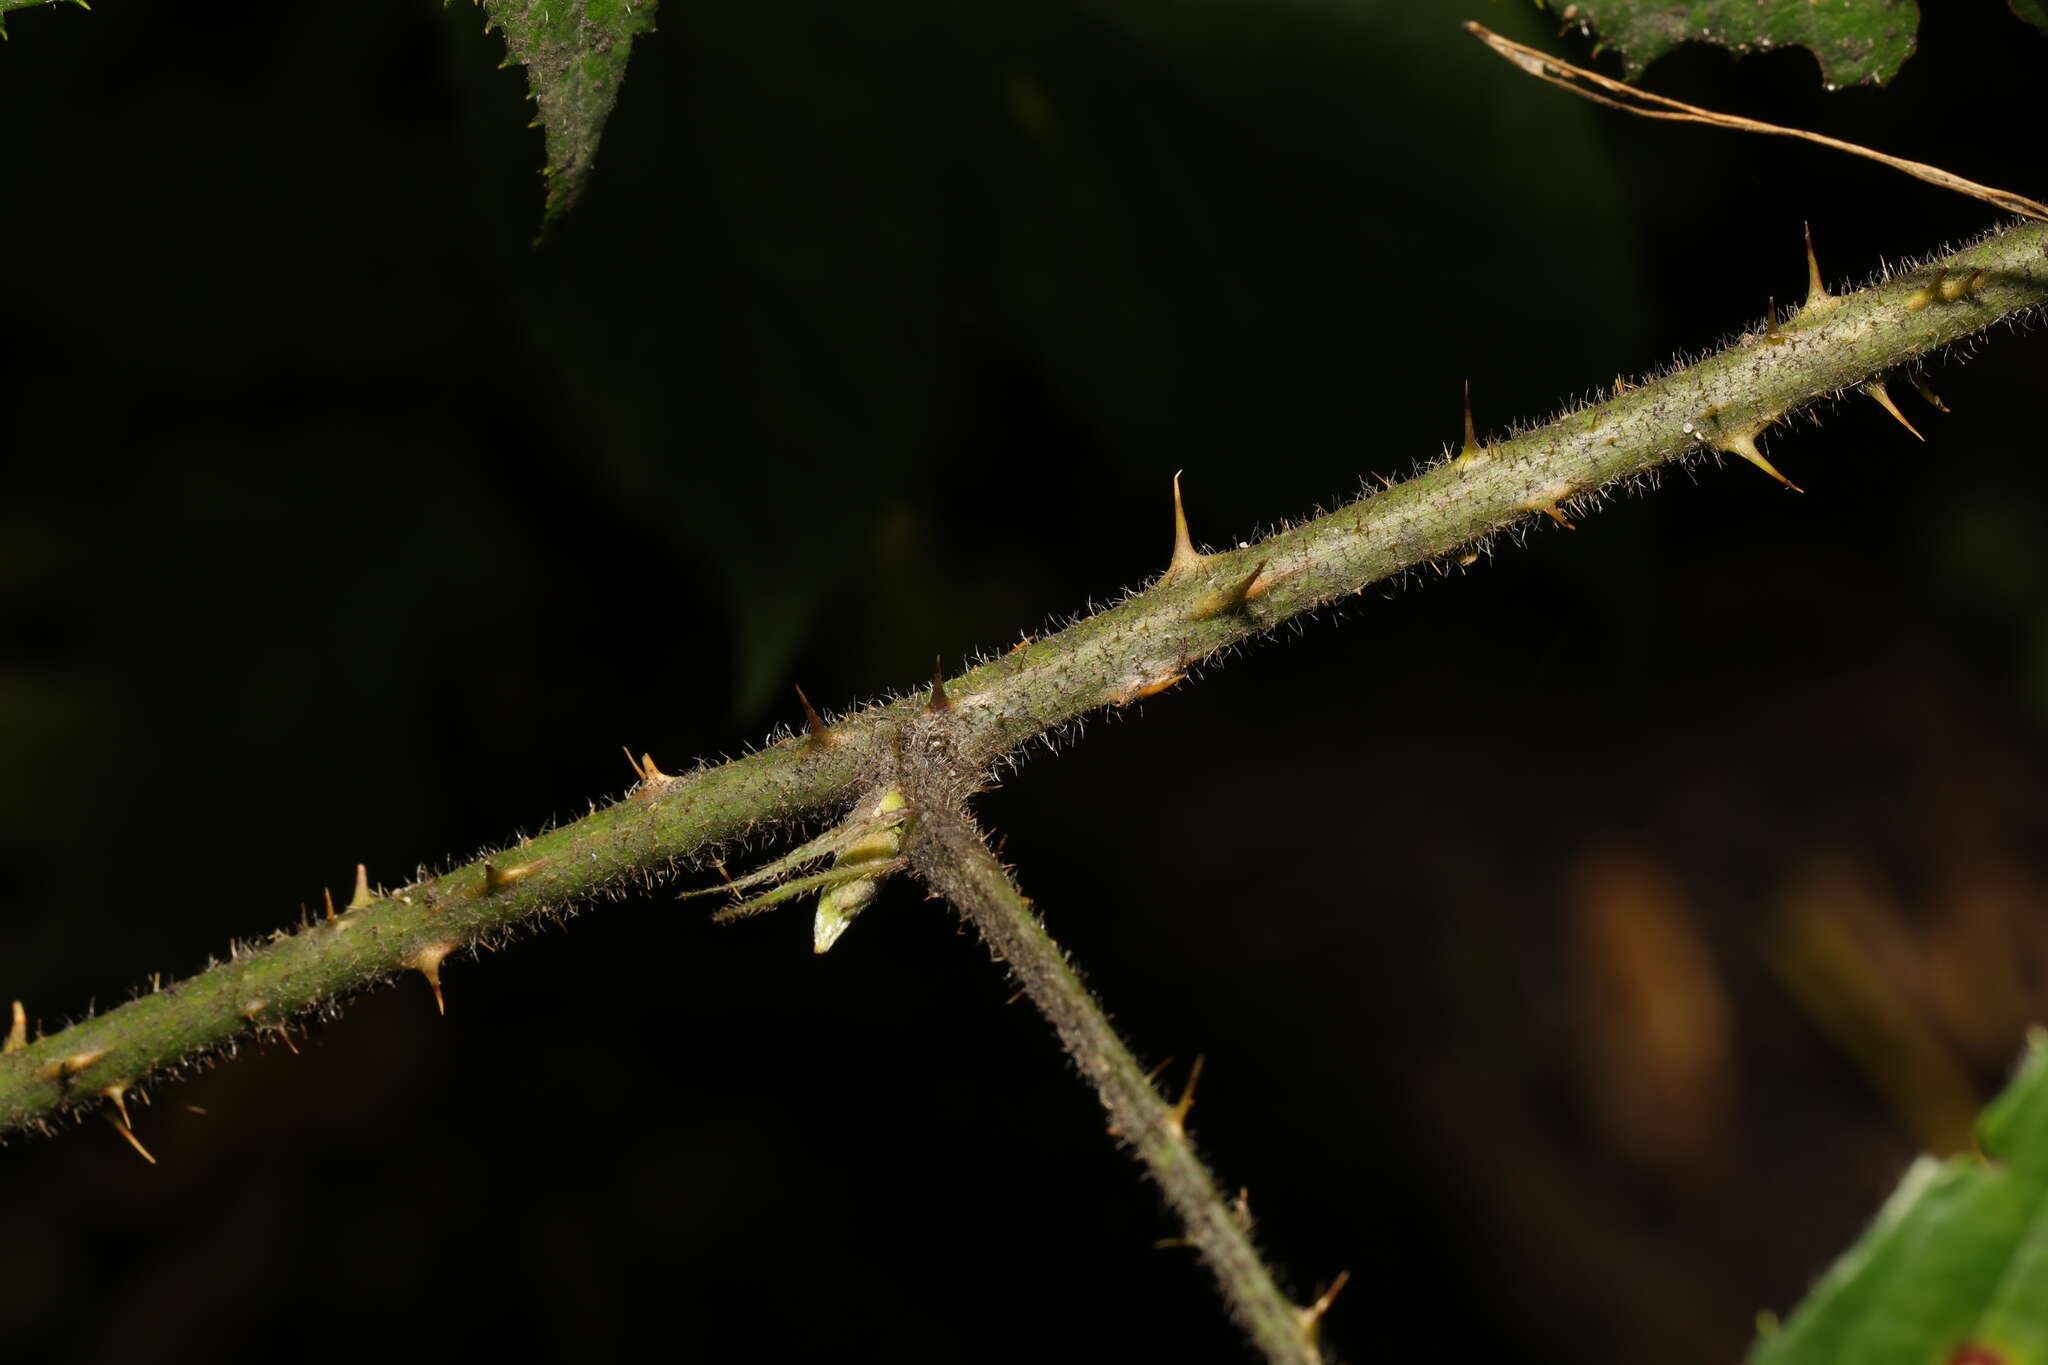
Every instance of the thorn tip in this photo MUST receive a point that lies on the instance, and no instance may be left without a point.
(645, 769)
(1743, 443)
(1473, 453)
(121, 1124)
(427, 962)
(1875, 388)
(1177, 1117)
(1185, 557)
(821, 736)
(1818, 299)
(1927, 393)
(1312, 1316)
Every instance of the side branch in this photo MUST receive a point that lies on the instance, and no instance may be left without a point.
(946, 850)
(1201, 607)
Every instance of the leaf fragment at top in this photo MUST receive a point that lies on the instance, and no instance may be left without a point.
(574, 52)
(1856, 41)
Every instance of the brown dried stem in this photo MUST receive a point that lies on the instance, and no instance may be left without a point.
(1631, 100)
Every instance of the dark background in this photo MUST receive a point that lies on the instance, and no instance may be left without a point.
(1580, 946)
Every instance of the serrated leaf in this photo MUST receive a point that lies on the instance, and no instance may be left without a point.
(1856, 41)
(1955, 1267)
(2034, 12)
(574, 52)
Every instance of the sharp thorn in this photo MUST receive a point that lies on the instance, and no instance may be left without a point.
(645, 769)
(1744, 444)
(1950, 289)
(820, 735)
(1818, 299)
(1920, 386)
(427, 962)
(328, 896)
(121, 1127)
(115, 1091)
(1233, 597)
(1929, 292)
(1177, 1117)
(1473, 451)
(1185, 556)
(1875, 388)
(639, 773)
(361, 899)
(939, 700)
(17, 1035)
(1312, 1316)
(497, 878)
(64, 1068)
(1145, 687)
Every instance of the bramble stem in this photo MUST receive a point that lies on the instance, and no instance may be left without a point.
(1203, 606)
(947, 851)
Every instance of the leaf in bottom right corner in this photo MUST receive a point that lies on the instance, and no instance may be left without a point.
(1954, 1269)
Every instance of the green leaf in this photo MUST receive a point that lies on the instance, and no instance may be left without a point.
(6, 5)
(1955, 1267)
(2034, 12)
(1855, 40)
(574, 52)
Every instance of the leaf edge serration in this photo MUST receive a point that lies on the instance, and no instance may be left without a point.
(575, 53)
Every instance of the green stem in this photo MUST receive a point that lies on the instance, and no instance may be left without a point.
(1203, 606)
(947, 851)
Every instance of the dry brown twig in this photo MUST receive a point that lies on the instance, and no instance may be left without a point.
(1630, 100)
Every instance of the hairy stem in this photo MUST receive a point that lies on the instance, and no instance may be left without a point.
(1204, 605)
(946, 850)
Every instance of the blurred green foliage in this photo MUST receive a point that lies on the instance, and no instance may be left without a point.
(1956, 1266)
